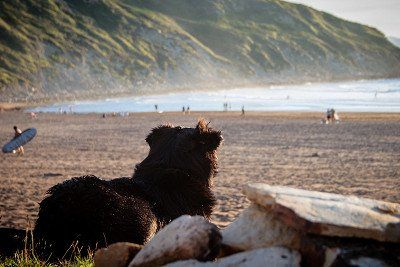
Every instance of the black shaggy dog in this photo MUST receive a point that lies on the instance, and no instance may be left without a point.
(174, 179)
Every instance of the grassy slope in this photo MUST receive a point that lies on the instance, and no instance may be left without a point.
(257, 32)
(43, 38)
(53, 49)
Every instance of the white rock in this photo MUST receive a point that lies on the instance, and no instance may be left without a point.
(256, 227)
(271, 257)
(186, 237)
(329, 214)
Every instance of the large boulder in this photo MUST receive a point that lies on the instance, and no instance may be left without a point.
(186, 237)
(271, 257)
(257, 227)
(329, 214)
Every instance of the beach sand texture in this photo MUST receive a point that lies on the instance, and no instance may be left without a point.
(359, 156)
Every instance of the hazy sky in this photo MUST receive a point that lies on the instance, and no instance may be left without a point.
(381, 14)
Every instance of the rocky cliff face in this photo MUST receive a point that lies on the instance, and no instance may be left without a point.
(81, 49)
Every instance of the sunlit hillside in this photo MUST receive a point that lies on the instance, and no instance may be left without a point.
(66, 49)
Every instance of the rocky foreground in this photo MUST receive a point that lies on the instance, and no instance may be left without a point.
(282, 227)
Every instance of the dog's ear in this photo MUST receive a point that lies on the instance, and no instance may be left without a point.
(202, 126)
(156, 133)
(207, 136)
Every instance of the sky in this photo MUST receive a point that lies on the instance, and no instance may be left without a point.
(381, 14)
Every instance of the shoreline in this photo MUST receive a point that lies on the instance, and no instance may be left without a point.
(176, 89)
(294, 115)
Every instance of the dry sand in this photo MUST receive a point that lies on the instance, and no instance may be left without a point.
(359, 156)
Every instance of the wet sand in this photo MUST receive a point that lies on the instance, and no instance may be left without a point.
(359, 156)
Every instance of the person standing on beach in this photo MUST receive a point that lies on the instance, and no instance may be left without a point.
(242, 110)
(20, 150)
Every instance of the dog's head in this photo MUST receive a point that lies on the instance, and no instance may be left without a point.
(190, 149)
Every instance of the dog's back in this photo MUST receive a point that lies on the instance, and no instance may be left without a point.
(95, 212)
(174, 179)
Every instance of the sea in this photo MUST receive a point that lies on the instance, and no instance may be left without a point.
(381, 95)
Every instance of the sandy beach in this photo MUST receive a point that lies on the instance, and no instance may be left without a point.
(359, 156)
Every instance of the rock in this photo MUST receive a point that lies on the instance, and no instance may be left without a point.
(227, 250)
(257, 227)
(367, 262)
(271, 257)
(340, 251)
(329, 214)
(186, 237)
(116, 255)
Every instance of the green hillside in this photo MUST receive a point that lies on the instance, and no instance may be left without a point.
(73, 48)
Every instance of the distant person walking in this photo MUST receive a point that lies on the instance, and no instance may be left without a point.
(19, 150)
(226, 106)
(188, 110)
(331, 116)
(183, 110)
(242, 111)
(335, 116)
(156, 107)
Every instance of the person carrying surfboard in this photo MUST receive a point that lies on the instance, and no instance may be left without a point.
(20, 149)
(20, 139)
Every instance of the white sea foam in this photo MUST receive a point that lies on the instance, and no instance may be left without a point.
(364, 96)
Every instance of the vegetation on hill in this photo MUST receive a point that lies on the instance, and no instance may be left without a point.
(72, 48)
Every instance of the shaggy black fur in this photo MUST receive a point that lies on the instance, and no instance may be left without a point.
(174, 179)
(12, 240)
